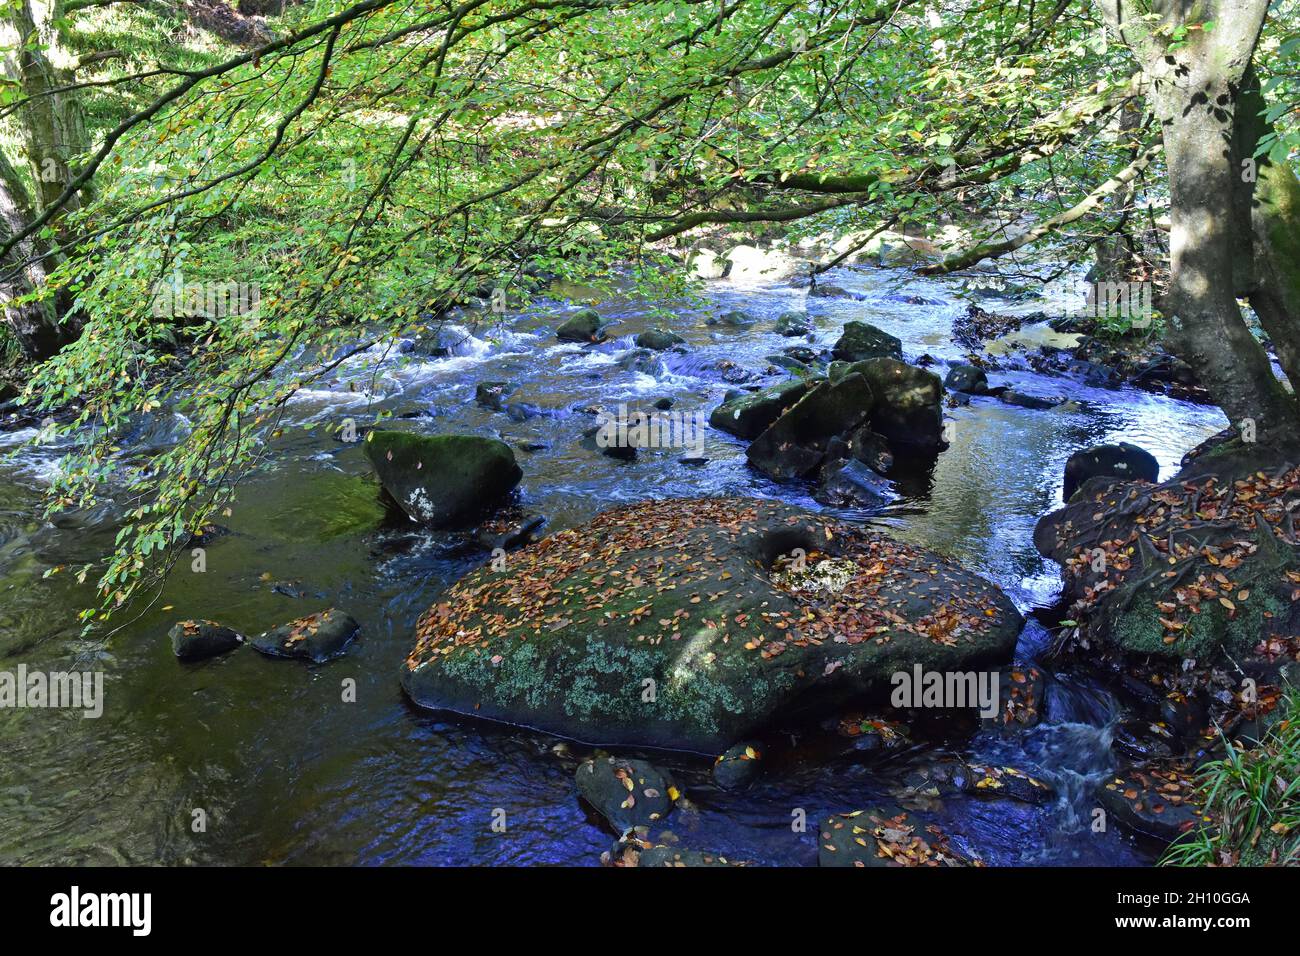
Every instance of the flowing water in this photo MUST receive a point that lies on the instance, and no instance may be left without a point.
(284, 771)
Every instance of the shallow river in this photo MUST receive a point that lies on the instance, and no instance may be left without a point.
(286, 772)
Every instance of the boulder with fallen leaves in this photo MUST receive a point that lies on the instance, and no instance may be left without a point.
(690, 624)
(1204, 563)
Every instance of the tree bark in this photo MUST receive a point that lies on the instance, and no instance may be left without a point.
(1194, 88)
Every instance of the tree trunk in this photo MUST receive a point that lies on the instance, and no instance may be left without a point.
(35, 324)
(1194, 88)
(1268, 219)
(51, 124)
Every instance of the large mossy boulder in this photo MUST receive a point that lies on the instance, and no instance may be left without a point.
(862, 340)
(795, 444)
(909, 402)
(686, 624)
(747, 414)
(1204, 564)
(585, 325)
(442, 480)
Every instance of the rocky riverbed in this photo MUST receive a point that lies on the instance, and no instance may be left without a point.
(917, 501)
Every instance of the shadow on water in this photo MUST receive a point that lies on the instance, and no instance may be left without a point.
(285, 772)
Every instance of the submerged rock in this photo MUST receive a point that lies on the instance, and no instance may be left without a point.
(738, 767)
(1024, 400)
(889, 836)
(1162, 802)
(793, 323)
(664, 624)
(317, 638)
(196, 640)
(851, 484)
(1118, 461)
(627, 793)
(967, 378)
(861, 340)
(442, 480)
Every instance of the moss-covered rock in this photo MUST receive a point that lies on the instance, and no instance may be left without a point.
(442, 480)
(585, 325)
(1188, 568)
(659, 339)
(676, 624)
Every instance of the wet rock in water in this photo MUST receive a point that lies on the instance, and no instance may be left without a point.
(966, 378)
(523, 411)
(626, 793)
(736, 319)
(871, 734)
(508, 532)
(1022, 694)
(672, 856)
(442, 480)
(909, 403)
(532, 446)
(738, 766)
(690, 595)
(851, 484)
(734, 373)
(889, 836)
(801, 353)
(317, 637)
(1117, 461)
(747, 414)
(788, 364)
(1022, 399)
(794, 323)
(871, 449)
(1187, 716)
(988, 780)
(1159, 801)
(444, 341)
(1194, 567)
(492, 394)
(196, 640)
(644, 361)
(795, 444)
(663, 404)
(861, 340)
(583, 326)
(831, 292)
(1141, 740)
(599, 438)
(659, 340)
(694, 460)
